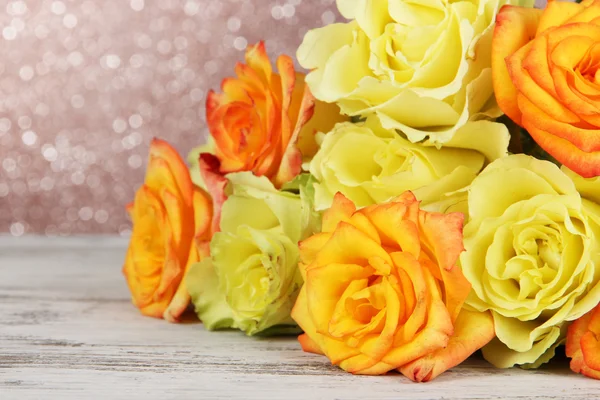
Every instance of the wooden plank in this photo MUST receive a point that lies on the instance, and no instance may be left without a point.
(68, 331)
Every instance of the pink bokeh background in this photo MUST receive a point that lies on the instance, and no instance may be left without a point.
(85, 85)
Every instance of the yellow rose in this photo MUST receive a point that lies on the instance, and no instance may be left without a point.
(423, 67)
(251, 279)
(370, 165)
(532, 256)
(382, 291)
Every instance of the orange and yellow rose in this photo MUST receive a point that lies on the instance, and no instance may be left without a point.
(263, 121)
(583, 344)
(546, 73)
(171, 231)
(382, 290)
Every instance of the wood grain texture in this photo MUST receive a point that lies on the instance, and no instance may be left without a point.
(69, 331)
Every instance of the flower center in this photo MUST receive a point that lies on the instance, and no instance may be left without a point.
(589, 66)
(538, 246)
(249, 285)
(242, 125)
(360, 311)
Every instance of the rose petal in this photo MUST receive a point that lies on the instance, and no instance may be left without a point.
(472, 331)
(291, 162)
(258, 60)
(309, 345)
(515, 27)
(585, 164)
(528, 88)
(557, 13)
(341, 210)
(215, 184)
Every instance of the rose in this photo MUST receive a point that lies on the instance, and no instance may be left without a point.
(261, 122)
(583, 344)
(251, 279)
(546, 78)
(532, 256)
(382, 290)
(370, 165)
(422, 67)
(171, 229)
(256, 121)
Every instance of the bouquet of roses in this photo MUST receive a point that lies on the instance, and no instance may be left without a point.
(427, 190)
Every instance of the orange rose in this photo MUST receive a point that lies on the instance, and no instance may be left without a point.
(583, 344)
(546, 73)
(382, 291)
(260, 122)
(171, 230)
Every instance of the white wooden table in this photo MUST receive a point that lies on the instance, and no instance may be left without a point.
(69, 331)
